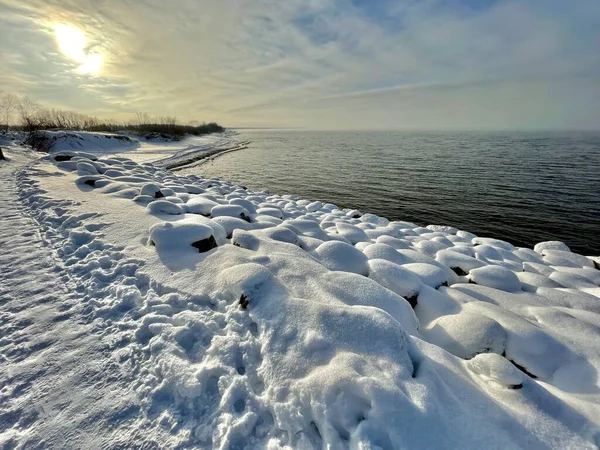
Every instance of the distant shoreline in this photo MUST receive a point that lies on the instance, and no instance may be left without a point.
(200, 158)
(205, 157)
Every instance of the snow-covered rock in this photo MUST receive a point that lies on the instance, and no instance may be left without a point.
(496, 277)
(466, 335)
(460, 263)
(165, 207)
(551, 245)
(351, 232)
(496, 369)
(429, 274)
(396, 278)
(182, 235)
(337, 255)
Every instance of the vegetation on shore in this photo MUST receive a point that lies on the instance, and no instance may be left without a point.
(33, 117)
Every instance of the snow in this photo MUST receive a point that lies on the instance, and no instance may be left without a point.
(351, 232)
(467, 335)
(429, 274)
(200, 205)
(186, 152)
(141, 309)
(550, 245)
(184, 235)
(459, 262)
(62, 141)
(166, 207)
(337, 255)
(495, 369)
(396, 278)
(230, 211)
(497, 277)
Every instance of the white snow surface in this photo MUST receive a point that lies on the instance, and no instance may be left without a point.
(140, 309)
(138, 148)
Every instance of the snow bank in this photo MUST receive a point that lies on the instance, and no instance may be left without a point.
(265, 321)
(57, 141)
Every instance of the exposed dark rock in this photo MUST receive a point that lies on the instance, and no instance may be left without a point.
(596, 265)
(413, 300)
(2, 155)
(416, 366)
(162, 136)
(356, 216)
(315, 429)
(159, 194)
(60, 158)
(244, 301)
(122, 138)
(205, 245)
(91, 183)
(523, 369)
(458, 271)
(515, 386)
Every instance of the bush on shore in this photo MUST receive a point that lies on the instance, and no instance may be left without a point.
(33, 117)
(160, 128)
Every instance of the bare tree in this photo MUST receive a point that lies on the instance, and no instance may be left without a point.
(8, 105)
(27, 110)
(142, 118)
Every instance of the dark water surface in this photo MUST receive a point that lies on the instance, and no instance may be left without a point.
(521, 187)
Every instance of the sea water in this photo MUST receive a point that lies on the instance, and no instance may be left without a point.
(523, 187)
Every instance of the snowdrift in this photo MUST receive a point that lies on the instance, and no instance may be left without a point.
(80, 140)
(264, 321)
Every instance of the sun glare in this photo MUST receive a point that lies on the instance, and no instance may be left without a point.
(72, 43)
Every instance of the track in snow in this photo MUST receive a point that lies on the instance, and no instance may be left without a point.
(76, 366)
(56, 374)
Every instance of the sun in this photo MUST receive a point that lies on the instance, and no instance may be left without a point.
(72, 43)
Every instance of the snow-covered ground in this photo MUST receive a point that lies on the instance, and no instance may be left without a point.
(140, 309)
(187, 151)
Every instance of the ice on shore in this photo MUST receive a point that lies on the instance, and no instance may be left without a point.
(253, 320)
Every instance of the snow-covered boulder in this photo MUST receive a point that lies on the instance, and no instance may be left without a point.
(397, 279)
(384, 251)
(165, 207)
(230, 211)
(351, 232)
(336, 255)
(496, 277)
(460, 263)
(182, 236)
(466, 335)
(429, 274)
(495, 369)
(393, 242)
(200, 205)
(551, 245)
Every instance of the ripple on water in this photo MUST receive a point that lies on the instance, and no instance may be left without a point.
(522, 187)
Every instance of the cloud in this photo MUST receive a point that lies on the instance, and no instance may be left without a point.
(318, 63)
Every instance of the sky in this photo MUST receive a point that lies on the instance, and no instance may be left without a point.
(327, 64)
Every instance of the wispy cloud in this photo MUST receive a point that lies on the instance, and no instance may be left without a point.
(317, 63)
